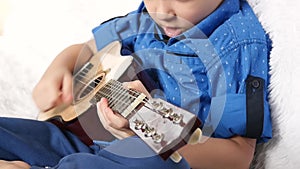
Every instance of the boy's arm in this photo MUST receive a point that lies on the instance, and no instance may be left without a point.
(13, 165)
(55, 86)
(217, 153)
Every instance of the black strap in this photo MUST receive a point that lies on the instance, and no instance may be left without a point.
(254, 106)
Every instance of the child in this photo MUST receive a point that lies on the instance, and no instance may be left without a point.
(207, 56)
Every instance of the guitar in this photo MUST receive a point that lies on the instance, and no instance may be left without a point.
(162, 126)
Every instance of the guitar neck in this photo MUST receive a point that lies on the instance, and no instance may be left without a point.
(121, 100)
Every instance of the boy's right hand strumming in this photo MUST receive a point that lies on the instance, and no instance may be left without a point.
(55, 86)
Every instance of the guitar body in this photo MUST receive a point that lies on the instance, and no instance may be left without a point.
(81, 117)
(162, 126)
(103, 66)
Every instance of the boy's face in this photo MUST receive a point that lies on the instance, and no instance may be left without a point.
(176, 16)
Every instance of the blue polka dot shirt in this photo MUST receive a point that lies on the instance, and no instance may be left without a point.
(205, 69)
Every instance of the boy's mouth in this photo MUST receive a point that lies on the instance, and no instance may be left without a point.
(172, 31)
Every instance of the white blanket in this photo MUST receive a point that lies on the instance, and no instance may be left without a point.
(281, 20)
(35, 31)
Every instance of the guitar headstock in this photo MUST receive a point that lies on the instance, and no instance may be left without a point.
(163, 126)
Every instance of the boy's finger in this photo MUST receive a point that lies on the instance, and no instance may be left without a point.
(47, 98)
(67, 88)
(116, 120)
(101, 106)
(113, 120)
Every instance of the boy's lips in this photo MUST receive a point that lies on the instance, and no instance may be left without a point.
(172, 31)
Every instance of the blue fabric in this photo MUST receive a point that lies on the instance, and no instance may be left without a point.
(42, 144)
(204, 69)
(37, 143)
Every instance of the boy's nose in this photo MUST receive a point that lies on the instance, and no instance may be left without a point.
(164, 9)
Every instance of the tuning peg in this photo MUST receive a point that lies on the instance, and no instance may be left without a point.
(149, 132)
(195, 137)
(157, 138)
(157, 105)
(176, 157)
(144, 127)
(166, 113)
(176, 118)
(138, 124)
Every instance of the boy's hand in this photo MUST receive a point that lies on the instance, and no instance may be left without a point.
(54, 88)
(13, 165)
(113, 122)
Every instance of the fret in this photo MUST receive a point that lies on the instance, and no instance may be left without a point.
(118, 97)
(121, 100)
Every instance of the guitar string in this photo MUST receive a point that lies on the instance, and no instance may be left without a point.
(91, 88)
(96, 83)
(120, 86)
(118, 89)
(116, 96)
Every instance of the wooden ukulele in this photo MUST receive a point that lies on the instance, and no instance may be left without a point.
(162, 126)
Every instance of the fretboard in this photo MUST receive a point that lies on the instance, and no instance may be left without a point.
(120, 99)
